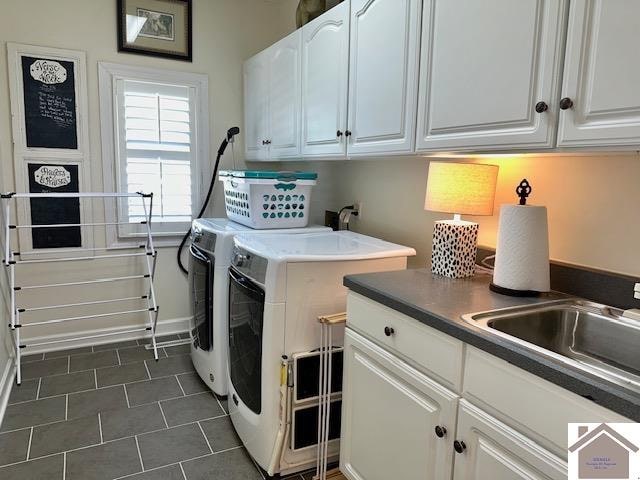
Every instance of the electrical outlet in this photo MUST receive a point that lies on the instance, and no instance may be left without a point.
(358, 208)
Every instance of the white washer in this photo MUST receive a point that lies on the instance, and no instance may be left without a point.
(210, 256)
(278, 288)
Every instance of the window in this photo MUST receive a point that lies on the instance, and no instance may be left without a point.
(155, 151)
(158, 125)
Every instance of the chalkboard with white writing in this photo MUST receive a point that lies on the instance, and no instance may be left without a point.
(49, 103)
(47, 178)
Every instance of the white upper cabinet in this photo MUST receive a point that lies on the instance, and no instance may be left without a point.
(488, 449)
(325, 73)
(272, 101)
(390, 412)
(490, 73)
(601, 75)
(384, 56)
(284, 97)
(256, 105)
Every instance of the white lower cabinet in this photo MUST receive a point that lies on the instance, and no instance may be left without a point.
(390, 413)
(489, 449)
(400, 422)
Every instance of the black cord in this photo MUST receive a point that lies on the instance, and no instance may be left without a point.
(204, 207)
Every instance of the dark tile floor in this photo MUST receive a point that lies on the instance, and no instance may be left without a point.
(110, 411)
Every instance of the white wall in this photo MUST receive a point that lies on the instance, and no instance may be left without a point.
(593, 203)
(225, 33)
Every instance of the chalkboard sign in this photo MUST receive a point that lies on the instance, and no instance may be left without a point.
(49, 103)
(45, 178)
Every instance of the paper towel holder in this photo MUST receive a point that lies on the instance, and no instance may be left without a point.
(523, 190)
(513, 293)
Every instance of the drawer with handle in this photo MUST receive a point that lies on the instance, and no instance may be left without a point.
(437, 354)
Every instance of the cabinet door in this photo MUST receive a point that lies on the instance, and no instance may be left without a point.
(495, 451)
(389, 413)
(325, 67)
(384, 55)
(602, 74)
(256, 106)
(284, 97)
(485, 66)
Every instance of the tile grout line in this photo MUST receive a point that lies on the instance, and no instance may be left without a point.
(125, 438)
(146, 367)
(119, 359)
(180, 385)
(162, 412)
(105, 367)
(69, 364)
(26, 461)
(38, 390)
(184, 475)
(128, 475)
(100, 428)
(139, 454)
(220, 404)
(126, 395)
(103, 388)
(29, 444)
(66, 406)
(95, 377)
(64, 465)
(205, 437)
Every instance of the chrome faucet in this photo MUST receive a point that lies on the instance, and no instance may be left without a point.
(634, 313)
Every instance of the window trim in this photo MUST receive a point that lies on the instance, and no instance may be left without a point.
(108, 75)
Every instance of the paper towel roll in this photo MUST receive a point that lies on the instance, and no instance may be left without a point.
(522, 253)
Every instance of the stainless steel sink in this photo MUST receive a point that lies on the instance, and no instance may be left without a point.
(594, 338)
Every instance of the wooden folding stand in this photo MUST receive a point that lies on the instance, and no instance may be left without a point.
(327, 322)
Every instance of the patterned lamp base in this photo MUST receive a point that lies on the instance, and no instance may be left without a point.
(454, 248)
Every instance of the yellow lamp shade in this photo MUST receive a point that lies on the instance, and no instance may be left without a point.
(461, 188)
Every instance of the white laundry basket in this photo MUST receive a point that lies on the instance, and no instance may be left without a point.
(268, 199)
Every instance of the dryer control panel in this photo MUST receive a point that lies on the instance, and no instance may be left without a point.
(249, 264)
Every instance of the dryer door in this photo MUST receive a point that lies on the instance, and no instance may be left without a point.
(246, 313)
(201, 293)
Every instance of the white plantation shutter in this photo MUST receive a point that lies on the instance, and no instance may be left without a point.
(156, 129)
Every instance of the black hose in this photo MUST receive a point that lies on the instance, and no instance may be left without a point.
(230, 134)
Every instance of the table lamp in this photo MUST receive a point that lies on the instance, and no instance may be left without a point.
(460, 189)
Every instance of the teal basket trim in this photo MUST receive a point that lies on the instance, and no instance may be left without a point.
(285, 186)
(283, 176)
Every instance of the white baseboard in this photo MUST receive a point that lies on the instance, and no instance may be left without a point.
(66, 341)
(6, 383)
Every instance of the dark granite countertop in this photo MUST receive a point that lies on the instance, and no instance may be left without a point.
(440, 302)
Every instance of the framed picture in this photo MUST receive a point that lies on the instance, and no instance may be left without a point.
(161, 28)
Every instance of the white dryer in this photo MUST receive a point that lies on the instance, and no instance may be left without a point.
(278, 288)
(210, 256)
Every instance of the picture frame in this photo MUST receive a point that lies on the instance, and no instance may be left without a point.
(159, 28)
